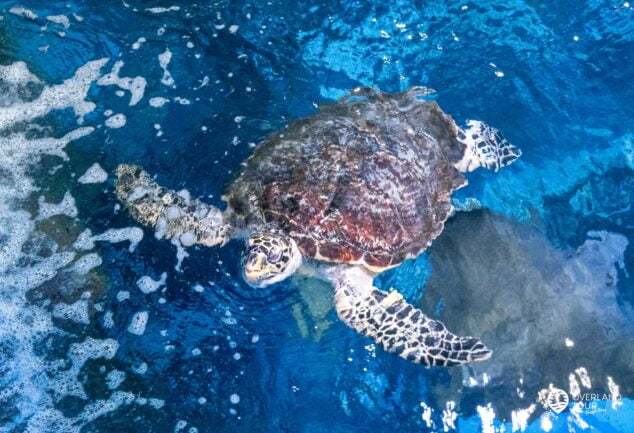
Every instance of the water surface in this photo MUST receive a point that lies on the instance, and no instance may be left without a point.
(541, 272)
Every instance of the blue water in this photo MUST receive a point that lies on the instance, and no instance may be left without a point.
(542, 272)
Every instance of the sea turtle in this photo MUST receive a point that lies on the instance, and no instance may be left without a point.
(346, 193)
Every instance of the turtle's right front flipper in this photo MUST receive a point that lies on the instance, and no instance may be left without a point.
(398, 326)
(172, 215)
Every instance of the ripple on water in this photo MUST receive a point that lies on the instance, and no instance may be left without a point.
(198, 85)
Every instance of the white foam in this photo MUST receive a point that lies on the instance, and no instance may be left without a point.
(17, 154)
(132, 234)
(77, 312)
(147, 285)
(94, 174)
(122, 295)
(164, 60)
(229, 320)
(38, 274)
(182, 101)
(158, 101)
(65, 207)
(140, 369)
(156, 403)
(136, 86)
(34, 385)
(204, 82)
(86, 263)
(99, 408)
(181, 254)
(59, 19)
(137, 44)
(115, 378)
(17, 74)
(24, 12)
(234, 399)
(108, 320)
(91, 348)
(138, 323)
(84, 241)
(71, 93)
(160, 10)
(116, 121)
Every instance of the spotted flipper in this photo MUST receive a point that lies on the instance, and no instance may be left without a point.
(398, 326)
(172, 215)
(485, 148)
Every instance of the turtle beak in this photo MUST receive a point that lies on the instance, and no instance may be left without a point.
(253, 268)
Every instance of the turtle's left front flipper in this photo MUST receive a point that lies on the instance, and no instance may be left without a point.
(172, 215)
(398, 326)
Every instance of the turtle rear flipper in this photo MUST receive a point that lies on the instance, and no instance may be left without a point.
(172, 215)
(398, 326)
(485, 148)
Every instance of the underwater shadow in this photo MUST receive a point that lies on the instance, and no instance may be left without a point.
(545, 312)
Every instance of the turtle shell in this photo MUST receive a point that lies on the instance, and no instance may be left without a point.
(366, 180)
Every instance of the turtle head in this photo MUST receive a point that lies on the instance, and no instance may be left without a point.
(269, 258)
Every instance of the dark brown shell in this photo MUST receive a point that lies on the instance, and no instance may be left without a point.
(364, 181)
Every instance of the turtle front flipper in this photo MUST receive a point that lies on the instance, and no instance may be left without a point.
(485, 147)
(172, 215)
(398, 326)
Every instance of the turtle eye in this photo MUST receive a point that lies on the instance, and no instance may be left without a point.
(274, 255)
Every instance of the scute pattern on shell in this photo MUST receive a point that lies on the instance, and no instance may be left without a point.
(366, 180)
